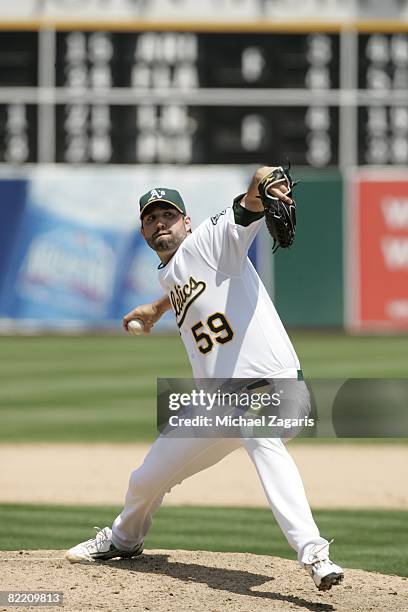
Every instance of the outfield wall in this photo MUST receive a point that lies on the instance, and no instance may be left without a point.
(309, 278)
(71, 254)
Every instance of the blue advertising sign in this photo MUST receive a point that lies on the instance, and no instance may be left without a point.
(75, 256)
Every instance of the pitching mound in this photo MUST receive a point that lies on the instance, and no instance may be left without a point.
(182, 580)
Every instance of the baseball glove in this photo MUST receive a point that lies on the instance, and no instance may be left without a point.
(280, 217)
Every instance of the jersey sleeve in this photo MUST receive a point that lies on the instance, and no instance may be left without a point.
(224, 239)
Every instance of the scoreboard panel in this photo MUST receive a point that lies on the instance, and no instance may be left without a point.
(18, 133)
(383, 129)
(176, 133)
(185, 97)
(18, 59)
(183, 60)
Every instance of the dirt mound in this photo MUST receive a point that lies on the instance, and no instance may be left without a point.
(179, 580)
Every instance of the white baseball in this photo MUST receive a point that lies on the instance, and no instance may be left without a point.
(135, 327)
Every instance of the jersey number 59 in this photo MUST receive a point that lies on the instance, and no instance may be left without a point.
(220, 329)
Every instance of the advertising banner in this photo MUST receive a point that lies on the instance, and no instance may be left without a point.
(12, 204)
(77, 258)
(377, 249)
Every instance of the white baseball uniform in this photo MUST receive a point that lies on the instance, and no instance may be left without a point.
(230, 329)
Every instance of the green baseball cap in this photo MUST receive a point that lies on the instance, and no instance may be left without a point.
(162, 194)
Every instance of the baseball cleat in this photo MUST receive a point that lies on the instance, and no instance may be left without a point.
(100, 548)
(324, 572)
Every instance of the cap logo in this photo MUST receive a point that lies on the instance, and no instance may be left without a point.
(156, 194)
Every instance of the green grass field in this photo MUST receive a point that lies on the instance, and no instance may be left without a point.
(103, 388)
(382, 536)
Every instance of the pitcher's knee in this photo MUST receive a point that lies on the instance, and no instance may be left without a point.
(142, 483)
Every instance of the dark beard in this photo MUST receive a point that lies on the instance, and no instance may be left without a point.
(164, 243)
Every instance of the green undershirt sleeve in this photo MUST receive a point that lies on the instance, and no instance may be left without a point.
(242, 215)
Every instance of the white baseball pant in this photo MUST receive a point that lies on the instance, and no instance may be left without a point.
(171, 460)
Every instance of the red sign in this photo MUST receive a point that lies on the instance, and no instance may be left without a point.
(378, 252)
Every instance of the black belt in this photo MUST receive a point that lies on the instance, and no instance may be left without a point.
(257, 384)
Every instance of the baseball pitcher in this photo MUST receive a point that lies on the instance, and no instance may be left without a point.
(230, 329)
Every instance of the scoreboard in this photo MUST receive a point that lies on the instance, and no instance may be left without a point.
(329, 97)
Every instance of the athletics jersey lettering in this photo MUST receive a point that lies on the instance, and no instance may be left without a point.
(232, 330)
(182, 297)
(214, 219)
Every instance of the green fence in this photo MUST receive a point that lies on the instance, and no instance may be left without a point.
(308, 278)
